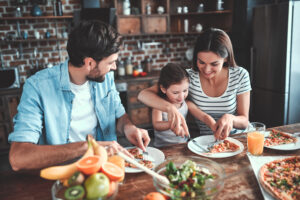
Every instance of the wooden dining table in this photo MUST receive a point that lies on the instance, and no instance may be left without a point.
(29, 186)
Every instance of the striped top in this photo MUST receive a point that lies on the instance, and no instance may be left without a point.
(216, 107)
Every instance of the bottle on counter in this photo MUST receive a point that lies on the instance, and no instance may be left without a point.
(59, 9)
(121, 69)
(129, 67)
(126, 7)
(147, 65)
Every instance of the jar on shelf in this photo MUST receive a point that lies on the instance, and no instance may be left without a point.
(147, 65)
(121, 69)
(128, 67)
(126, 7)
(148, 9)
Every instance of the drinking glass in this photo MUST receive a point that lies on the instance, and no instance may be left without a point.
(255, 138)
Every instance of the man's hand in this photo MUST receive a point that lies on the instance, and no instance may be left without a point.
(223, 126)
(113, 147)
(177, 122)
(137, 136)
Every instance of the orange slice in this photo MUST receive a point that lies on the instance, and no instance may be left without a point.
(89, 165)
(112, 171)
(112, 188)
(155, 196)
(117, 160)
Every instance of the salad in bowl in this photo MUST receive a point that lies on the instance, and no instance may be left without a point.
(190, 178)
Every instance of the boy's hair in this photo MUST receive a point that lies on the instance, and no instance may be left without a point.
(217, 41)
(170, 74)
(93, 39)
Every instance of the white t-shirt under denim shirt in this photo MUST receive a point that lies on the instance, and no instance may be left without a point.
(238, 83)
(83, 116)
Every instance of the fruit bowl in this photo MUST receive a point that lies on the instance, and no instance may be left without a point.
(198, 188)
(58, 190)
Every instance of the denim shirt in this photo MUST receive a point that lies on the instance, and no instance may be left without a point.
(44, 112)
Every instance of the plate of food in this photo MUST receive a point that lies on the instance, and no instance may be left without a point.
(278, 140)
(277, 176)
(227, 148)
(154, 158)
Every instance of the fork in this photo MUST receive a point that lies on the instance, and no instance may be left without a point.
(145, 155)
(216, 142)
(202, 148)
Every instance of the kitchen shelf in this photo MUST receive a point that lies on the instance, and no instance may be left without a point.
(171, 22)
(202, 13)
(37, 17)
(35, 40)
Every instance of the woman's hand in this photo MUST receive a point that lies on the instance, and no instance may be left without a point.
(223, 126)
(177, 122)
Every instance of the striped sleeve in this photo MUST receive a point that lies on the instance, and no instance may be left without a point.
(244, 81)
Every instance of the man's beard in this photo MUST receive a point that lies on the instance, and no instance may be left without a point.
(99, 79)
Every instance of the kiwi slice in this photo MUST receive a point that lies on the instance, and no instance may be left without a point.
(76, 179)
(74, 193)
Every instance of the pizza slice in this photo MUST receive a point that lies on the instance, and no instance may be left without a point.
(281, 178)
(225, 146)
(278, 138)
(136, 153)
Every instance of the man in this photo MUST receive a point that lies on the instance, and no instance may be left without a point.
(61, 105)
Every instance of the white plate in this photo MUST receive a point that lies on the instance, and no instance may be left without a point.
(284, 147)
(257, 162)
(208, 139)
(154, 155)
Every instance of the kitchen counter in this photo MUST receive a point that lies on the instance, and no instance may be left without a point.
(30, 186)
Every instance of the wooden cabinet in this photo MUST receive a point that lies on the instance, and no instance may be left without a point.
(173, 18)
(9, 100)
(139, 113)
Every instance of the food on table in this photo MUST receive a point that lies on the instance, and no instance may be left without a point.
(74, 193)
(76, 179)
(112, 171)
(99, 151)
(278, 138)
(96, 185)
(154, 196)
(89, 177)
(225, 146)
(188, 180)
(117, 160)
(255, 143)
(281, 178)
(89, 165)
(65, 171)
(137, 155)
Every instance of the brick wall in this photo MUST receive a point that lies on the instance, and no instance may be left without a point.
(166, 48)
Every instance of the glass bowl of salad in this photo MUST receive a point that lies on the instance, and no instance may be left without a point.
(190, 178)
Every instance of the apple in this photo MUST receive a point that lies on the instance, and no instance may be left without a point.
(96, 186)
(135, 73)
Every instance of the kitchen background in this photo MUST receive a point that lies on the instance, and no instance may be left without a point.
(33, 36)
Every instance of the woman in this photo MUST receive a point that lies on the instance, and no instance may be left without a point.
(218, 87)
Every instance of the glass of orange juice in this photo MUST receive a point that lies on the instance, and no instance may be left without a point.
(255, 138)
